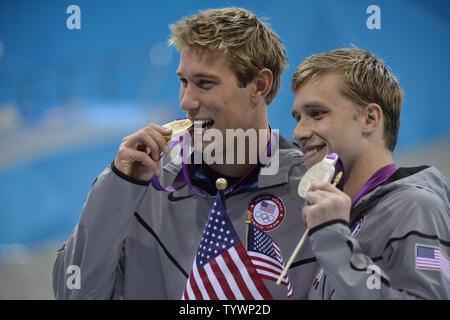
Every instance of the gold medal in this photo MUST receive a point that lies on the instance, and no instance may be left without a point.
(179, 127)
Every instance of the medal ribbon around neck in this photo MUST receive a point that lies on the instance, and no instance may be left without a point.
(378, 178)
(183, 176)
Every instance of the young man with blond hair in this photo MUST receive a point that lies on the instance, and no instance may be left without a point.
(386, 235)
(135, 242)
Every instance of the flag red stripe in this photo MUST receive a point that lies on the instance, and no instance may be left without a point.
(276, 265)
(237, 276)
(259, 284)
(222, 280)
(207, 284)
(194, 287)
(269, 270)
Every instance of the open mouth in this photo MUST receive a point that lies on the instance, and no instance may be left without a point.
(311, 152)
(203, 124)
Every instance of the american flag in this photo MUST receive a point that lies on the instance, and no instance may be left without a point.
(222, 269)
(432, 258)
(267, 207)
(266, 257)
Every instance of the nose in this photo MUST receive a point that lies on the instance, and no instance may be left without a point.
(188, 100)
(302, 132)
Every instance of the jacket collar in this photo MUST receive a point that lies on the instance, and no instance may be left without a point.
(283, 158)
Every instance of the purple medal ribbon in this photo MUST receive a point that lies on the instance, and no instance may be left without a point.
(178, 182)
(378, 178)
(183, 177)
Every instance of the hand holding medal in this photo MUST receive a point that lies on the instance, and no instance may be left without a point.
(321, 172)
(140, 152)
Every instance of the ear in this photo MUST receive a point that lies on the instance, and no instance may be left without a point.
(372, 118)
(262, 85)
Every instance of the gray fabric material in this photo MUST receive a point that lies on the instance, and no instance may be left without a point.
(119, 259)
(411, 211)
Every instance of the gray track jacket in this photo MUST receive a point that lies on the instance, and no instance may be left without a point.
(402, 248)
(134, 242)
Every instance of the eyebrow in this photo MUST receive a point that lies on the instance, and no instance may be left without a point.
(308, 107)
(314, 105)
(200, 75)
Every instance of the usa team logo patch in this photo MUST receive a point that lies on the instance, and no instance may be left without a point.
(266, 212)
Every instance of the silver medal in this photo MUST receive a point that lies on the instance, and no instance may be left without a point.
(321, 172)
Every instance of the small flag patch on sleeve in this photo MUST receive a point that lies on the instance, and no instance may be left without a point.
(432, 258)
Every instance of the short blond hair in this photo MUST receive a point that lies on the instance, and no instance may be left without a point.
(365, 79)
(250, 44)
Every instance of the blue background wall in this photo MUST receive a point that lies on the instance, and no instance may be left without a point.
(117, 73)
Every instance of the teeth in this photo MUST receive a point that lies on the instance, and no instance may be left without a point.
(310, 152)
(203, 123)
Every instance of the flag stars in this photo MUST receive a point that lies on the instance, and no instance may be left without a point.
(217, 237)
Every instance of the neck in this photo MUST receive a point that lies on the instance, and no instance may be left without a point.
(233, 170)
(362, 170)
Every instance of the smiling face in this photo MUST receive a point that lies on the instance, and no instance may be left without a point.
(327, 122)
(210, 93)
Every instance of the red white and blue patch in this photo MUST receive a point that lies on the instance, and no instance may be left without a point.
(266, 212)
(432, 258)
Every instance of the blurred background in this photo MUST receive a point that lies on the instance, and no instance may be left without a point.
(68, 96)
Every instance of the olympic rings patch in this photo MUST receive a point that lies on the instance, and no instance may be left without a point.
(266, 212)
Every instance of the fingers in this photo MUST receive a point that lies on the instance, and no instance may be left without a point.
(134, 159)
(143, 141)
(127, 156)
(156, 134)
(163, 130)
(324, 202)
(144, 159)
(149, 137)
(326, 186)
(322, 190)
(315, 196)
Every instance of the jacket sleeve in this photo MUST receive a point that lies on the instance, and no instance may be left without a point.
(88, 264)
(354, 275)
